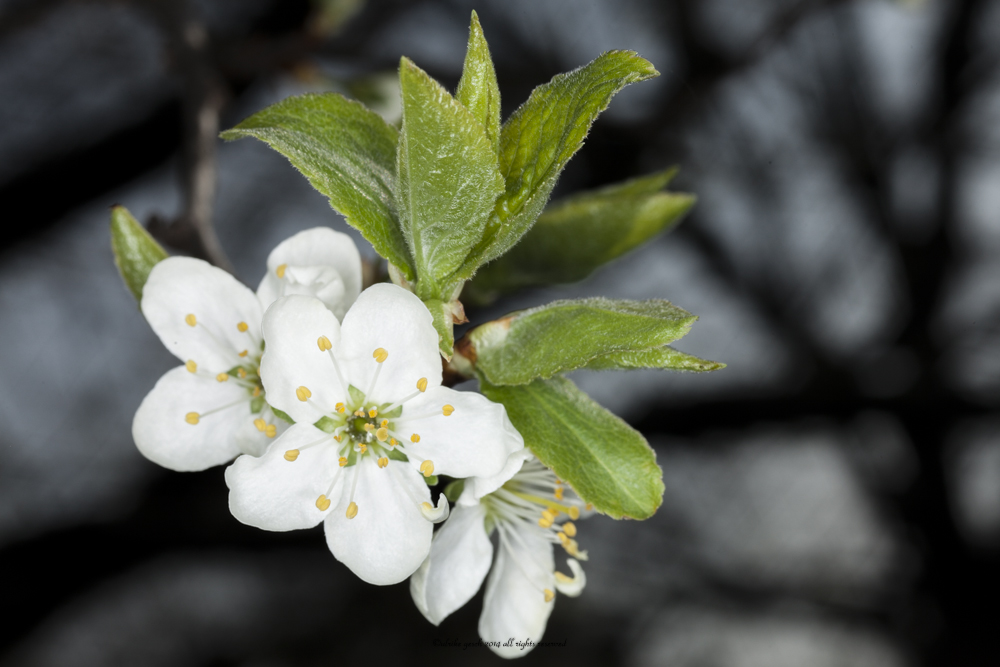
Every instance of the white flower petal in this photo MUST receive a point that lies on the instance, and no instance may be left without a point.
(477, 487)
(571, 586)
(273, 493)
(387, 316)
(459, 560)
(164, 436)
(182, 286)
(389, 537)
(474, 440)
(515, 604)
(318, 262)
(251, 440)
(293, 326)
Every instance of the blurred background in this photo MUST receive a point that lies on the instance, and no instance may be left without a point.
(832, 497)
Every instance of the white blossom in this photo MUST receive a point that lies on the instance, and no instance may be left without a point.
(372, 421)
(530, 512)
(213, 407)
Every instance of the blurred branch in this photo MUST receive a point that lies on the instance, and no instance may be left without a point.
(204, 94)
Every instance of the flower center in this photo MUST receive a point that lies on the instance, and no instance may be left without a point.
(244, 372)
(360, 428)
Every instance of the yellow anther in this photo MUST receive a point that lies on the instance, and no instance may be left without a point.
(569, 528)
(574, 512)
(562, 538)
(323, 503)
(242, 373)
(558, 493)
(447, 410)
(558, 481)
(549, 515)
(260, 424)
(291, 454)
(549, 595)
(384, 423)
(281, 270)
(544, 523)
(587, 507)
(563, 579)
(243, 326)
(352, 510)
(244, 353)
(362, 448)
(191, 366)
(191, 320)
(271, 430)
(422, 384)
(256, 392)
(427, 467)
(222, 377)
(572, 547)
(324, 343)
(373, 413)
(192, 418)
(339, 407)
(383, 462)
(382, 434)
(427, 506)
(392, 442)
(337, 438)
(342, 461)
(415, 438)
(359, 413)
(369, 427)
(303, 394)
(380, 354)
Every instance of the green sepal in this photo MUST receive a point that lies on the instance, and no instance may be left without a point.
(478, 90)
(540, 137)
(444, 325)
(454, 489)
(348, 153)
(607, 462)
(357, 396)
(135, 251)
(256, 404)
(282, 415)
(395, 454)
(664, 357)
(448, 180)
(578, 234)
(566, 335)
(432, 480)
(326, 424)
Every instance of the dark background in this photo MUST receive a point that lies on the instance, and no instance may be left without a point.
(832, 497)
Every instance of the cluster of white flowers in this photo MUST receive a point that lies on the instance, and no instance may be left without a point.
(330, 399)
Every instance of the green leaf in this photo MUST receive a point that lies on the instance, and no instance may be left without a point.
(135, 251)
(348, 153)
(540, 137)
(578, 234)
(448, 180)
(658, 357)
(257, 404)
(356, 396)
(564, 335)
(478, 90)
(606, 461)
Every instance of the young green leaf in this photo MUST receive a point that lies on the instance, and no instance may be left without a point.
(604, 459)
(478, 90)
(448, 180)
(134, 249)
(664, 357)
(578, 234)
(348, 153)
(565, 335)
(443, 323)
(540, 137)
